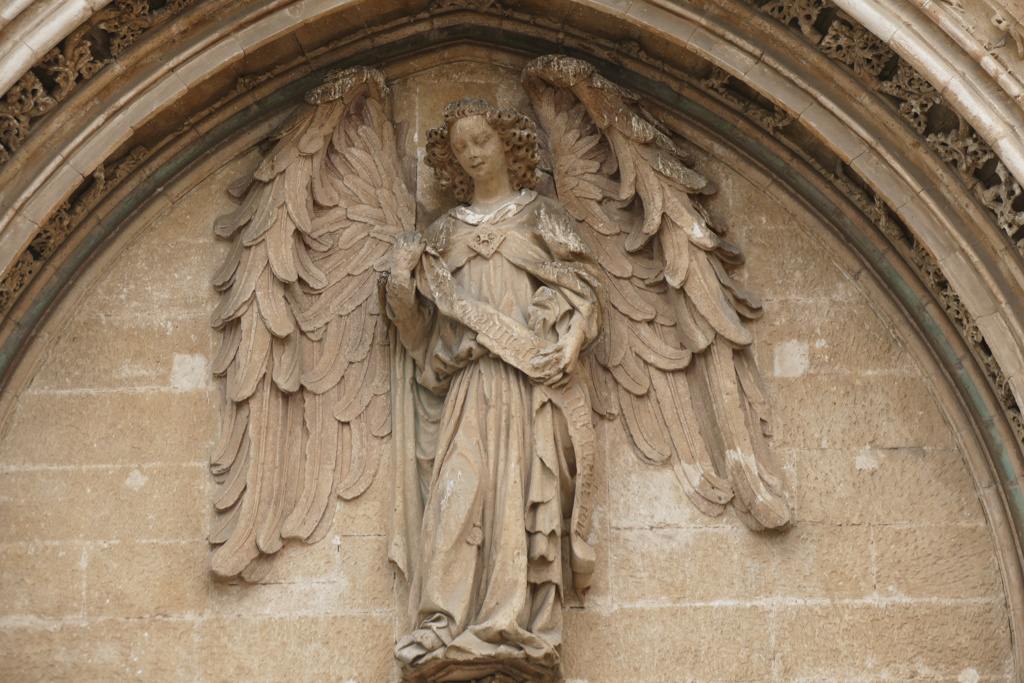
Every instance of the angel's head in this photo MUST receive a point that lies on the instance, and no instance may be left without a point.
(463, 118)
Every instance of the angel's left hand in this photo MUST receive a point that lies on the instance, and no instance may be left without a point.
(555, 365)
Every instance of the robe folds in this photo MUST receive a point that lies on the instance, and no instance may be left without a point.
(486, 458)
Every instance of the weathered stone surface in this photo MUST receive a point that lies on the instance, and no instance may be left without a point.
(25, 590)
(783, 262)
(306, 648)
(892, 639)
(133, 579)
(821, 562)
(301, 563)
(161, 280)
(167, 273)
(721, 643)
(872, 486)
(367, 515)
(126, 353)
(643, 497)
(364, 572)
(708, 565)
(104, 503)
(936, 561)
(286, 601)
(359, 580)
(671, 566)
(101, 650)
(188, 222)
(816, 337)
(857, 412)
(90, 428)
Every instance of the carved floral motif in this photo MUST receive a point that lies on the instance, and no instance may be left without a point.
(963, 149)
(1000, 199)
(804, 12)
(125, 22)
(75, 59)
(857, 47)
(71, 60)
(19, 275)
(917, 94)
(772, 120)
(61, 222)
(26, 100)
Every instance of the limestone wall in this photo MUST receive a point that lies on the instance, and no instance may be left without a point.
(889, 572)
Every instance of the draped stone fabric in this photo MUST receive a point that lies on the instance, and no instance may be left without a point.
(486, 463)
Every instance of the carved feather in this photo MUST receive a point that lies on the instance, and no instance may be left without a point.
(224, 526)
(304, 348)
(674, 343)
(234, 484)
(318, 473)
(235, 421)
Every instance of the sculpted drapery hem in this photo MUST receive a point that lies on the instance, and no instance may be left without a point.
(485, 458)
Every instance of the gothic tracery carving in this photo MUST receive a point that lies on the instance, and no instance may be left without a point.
(1001, 198)
(963, 149)
(858, 48)
(917, 94)
(804, 12)
(77, 58)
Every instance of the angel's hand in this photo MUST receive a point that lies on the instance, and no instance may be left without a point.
(554, 366)
(406, 254)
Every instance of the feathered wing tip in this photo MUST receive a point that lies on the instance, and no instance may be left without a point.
(674, 359)
(340, 84)
(304, 350)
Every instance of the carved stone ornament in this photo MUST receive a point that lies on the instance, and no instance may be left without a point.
(478, 352)
(77, 58)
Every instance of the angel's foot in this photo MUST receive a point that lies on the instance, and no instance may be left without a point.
(408, 650)
(421, 642)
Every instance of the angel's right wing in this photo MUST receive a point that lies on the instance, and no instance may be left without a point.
(674, 359)
(305, 351)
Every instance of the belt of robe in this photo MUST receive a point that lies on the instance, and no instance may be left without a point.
(517, 345)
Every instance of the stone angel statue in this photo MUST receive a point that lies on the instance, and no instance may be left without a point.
(479, 351)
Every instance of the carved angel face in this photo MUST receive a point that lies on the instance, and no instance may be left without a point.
(478, 148)
(518, 135)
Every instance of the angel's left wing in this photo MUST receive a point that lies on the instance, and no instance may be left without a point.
(674, 359)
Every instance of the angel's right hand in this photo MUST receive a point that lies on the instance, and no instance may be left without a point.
(408, 248)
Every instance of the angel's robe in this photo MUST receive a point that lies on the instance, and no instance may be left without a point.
(484, 458)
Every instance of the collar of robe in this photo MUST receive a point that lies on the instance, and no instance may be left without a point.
(506, 210)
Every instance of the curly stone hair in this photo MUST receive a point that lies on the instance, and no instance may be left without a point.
(517, 131)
